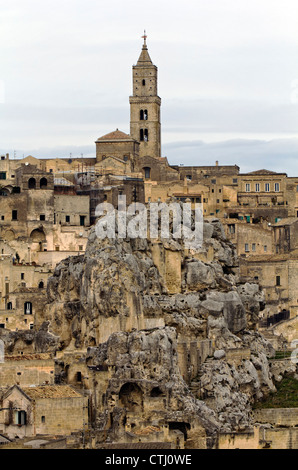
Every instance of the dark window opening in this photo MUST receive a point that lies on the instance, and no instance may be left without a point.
(14, 215)
(147, 172)
(278, 280)
(43, 183)
(79, 376)
(32, 183)
(67, 218)
(144, 135)
(143, 115)
(143, 82)
(42, 217)
(82, 220)
(41, 285)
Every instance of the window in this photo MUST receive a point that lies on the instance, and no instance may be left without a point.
(143, 82)
(22, 275)
(147, 172)
(267, 187)
(276, 187)
(43, 419)
(79, 376)
(265, 248)
(28, 308)
(246, 247)
(32, 183)
(213, 181)
(278, 280)
(43, 183)
(235, 181)
(2, 175)
(57, 248)
(231, 228)
(81, 248)
(188, 177)
(82, 220)
(253, 247)
(67, 218)
(20, 418)
(41, 285)
(9, 306)
(143, 115)
(144, 135)
(42, 217)
(257, 187)
(14, 215)
(247, 187)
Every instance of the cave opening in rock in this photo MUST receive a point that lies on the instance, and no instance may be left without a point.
(131, 397)
(180, 426)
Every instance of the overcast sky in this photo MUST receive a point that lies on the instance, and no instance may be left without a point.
(228, 77)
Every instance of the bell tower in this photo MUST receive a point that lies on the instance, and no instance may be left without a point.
(145, 105)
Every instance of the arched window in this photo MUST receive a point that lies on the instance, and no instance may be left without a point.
(43, 183)
(41, 285)
(32, 183)
(144, 135)
(143, 115)
(28, 308)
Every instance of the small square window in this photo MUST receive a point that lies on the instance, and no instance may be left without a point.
(42, 217)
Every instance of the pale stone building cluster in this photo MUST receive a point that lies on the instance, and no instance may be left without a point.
(48, 205)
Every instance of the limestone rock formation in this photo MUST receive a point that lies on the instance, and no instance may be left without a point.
(160, 317)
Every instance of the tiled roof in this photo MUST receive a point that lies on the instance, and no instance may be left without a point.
(51, 391)
(115, 135)
(29, 357)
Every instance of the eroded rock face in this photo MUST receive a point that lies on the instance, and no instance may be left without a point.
(145, 364)
(154, 314)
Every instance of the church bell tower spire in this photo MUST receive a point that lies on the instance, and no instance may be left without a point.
(145, 105)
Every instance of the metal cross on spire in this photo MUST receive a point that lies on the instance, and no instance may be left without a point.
(144, 37)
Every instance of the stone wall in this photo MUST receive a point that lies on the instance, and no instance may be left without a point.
(277, 416)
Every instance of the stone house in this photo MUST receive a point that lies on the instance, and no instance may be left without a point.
(42, 410)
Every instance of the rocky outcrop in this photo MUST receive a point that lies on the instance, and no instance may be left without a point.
(147, 309)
